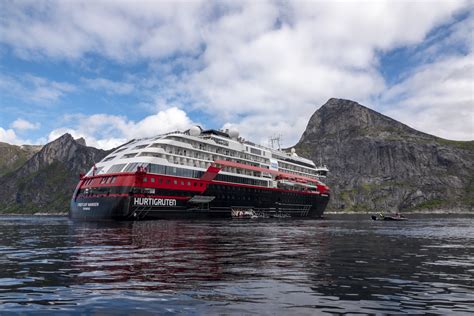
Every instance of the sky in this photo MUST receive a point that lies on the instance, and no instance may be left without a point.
(111, 71)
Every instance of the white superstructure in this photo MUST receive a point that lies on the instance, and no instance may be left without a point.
(190, 153)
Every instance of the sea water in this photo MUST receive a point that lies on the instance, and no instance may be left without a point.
(342, 264)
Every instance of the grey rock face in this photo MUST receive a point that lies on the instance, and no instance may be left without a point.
(12, 157)
(81, 141)
(46, 181)
(377, 163)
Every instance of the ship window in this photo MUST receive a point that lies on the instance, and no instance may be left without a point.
(160, 180)
(131, 167)
(134, 166)
(102, 180)
(94, 171)
(154, 168)
(175, 181)
(255, 151)
(109, 180)
(129, 155)
(120, 149)
(168, 182)
(195, 184)
(116, 168)
(152, 179)
(109, 158)
(182, 182)
(149, 154)
(113, 179)
(200, 184)
(140, 146)
(189, 183)
(145, 179)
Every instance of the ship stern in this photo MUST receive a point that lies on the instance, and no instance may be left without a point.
(99, 208)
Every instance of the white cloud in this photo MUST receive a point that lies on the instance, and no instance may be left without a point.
(116, 29)
(320, 50)
(9, 136)
(34, 88)
(280, 126)
(265, 64)
(108, 131)
(109, 86)
(22, 124)
(437, 98)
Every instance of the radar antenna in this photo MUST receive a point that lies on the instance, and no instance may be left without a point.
(275, 140)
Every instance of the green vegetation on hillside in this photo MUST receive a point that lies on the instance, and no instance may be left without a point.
(13, 157)
(468, 145)
(46, 191)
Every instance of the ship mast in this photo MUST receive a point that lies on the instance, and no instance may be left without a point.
(275, 140)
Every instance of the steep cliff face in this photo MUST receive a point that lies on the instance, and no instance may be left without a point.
(46, 181)
(12, 157)
(377, 163)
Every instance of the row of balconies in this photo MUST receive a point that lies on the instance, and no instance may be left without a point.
(305, 171)
(205, 164)
(223, 151)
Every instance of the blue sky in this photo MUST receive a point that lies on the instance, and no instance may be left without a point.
(110, 71)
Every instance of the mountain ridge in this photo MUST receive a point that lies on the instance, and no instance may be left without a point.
(45, 182)
(12, 156)
(378, 163)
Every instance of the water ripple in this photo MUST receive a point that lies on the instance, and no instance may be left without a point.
(340, 265)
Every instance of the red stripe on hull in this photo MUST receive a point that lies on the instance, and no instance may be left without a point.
(80, 196)
(137, 180)
(195, 186)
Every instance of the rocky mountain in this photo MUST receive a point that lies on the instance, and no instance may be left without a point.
(375, 163)
(12, 157)
(379, 164)
(45, 182)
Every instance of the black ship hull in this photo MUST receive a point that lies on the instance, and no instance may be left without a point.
(139, 196)
(145, 207)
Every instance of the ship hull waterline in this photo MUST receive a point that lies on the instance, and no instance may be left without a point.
(155, 208)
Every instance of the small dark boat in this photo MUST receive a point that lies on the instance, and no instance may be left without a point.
(389, 218)
(394, 218)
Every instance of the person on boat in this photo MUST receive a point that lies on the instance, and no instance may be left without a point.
(381, 215)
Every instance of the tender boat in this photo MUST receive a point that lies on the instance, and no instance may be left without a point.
(382, 217)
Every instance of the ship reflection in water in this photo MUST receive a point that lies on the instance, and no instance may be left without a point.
(340, 265)
(183, 255)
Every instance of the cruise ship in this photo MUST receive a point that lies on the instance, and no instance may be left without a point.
(199, 174)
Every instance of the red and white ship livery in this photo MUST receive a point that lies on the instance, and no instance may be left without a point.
(199, 174)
